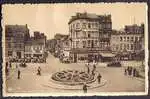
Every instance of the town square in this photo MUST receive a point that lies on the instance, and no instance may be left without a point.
(82, 51)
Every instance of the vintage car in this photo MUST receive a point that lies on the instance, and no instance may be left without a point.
(27, 60)
(65, 60)
(114, 64)
(23, 64)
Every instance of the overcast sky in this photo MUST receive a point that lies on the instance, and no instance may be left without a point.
(53, 18)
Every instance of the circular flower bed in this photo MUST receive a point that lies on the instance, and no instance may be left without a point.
(72, 77)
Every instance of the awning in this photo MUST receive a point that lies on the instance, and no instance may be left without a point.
(108, 54)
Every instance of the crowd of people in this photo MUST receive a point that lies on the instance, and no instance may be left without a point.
(130, 71)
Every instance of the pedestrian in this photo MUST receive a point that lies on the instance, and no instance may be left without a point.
(19, 72)
(125, 71)
(131, 69)
(85, 88)
(88, 69)
(10, 65)
(99, 78)
(128, 68)
(7, 70)
(39, 71)
(94, 69)
(16, 66)
(134, 72)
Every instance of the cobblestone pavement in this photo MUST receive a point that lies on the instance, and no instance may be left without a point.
(30, 82)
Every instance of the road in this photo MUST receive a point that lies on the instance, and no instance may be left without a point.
(30, 82)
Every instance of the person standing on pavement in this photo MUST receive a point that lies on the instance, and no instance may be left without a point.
(125, 71)
(39, 71)
(94, 69)
(7, 69)
(88, 69)
(19, 72)
(99, 78)
(134, 72)
(85, 88)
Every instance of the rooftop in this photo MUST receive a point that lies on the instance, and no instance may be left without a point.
(90, 16)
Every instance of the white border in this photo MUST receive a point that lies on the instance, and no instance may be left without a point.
(5, 94)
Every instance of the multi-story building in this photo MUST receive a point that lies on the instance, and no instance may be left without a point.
(15, 36)
(59, 44)
(129, 42)
(36, 45)
(90, 35)
(66, 46)
(50, 45)
(135, 29)
(125, 42)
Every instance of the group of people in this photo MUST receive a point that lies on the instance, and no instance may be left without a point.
(93, 68)
(91, 71)
(9, 66)
(38, 72)
(131, 71)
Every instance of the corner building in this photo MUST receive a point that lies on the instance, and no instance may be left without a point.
(89, 35)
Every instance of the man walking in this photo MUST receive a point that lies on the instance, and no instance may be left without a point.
(99, 78)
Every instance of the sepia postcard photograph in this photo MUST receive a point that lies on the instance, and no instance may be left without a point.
(75, 49)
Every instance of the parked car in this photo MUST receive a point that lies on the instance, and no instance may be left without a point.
(114, 64)
(65, 60)
(23, 64)
(27, 60)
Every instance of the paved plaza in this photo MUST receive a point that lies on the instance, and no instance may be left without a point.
(116, 81)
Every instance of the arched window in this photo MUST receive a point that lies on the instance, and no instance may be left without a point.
(89, 25)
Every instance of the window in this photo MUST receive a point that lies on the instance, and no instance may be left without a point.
(77, 44)
(9, 53)
(96, 25)
(84, 44)
(121, 47)
(127, 46)
(124, 38)
(89, 35)
(84, 34)
(73, 26)
(84, 25)
(120, 38)
(89, 42)
(127, 38)
(96, 42)
(89, 25)
(131, 46)
(136, 38)
(132, 38)
(77, 25)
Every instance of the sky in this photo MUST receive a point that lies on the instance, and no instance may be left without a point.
(53, 18)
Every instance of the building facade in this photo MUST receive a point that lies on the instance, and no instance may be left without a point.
(90, 35)
(15, 37)
(129, 43)
(125, 42)
(35, 47)
(50, 45)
